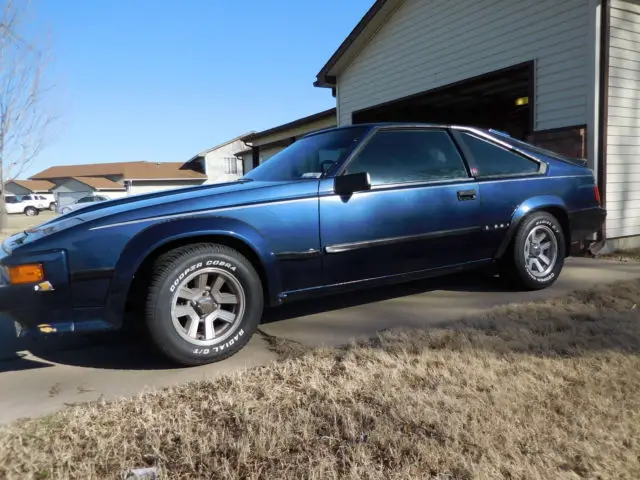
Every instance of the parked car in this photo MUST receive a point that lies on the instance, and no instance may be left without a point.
(81, 203)
(344, 208)
(25, 204)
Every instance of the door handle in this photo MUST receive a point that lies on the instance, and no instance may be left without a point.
(466, 195)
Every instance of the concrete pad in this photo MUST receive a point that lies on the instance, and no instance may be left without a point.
(40, 377)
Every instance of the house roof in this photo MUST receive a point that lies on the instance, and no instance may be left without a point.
(128, 170)
(293, 124)
(366, 28)
(239, 137)
(36, 186)
(99, 183)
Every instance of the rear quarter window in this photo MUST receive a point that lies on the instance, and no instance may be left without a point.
(494, 161)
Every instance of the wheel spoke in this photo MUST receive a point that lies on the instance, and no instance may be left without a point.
(538, 265)
(546, 260)
(531, 263)
(192, 326)
(224, 315)
(217, 285)
(225, 298)
(545, 246)
(202, 281)
(185, 311)
(188, 293)
(209, 331)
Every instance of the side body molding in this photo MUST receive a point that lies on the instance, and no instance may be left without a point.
(525, 208)
(159, 234)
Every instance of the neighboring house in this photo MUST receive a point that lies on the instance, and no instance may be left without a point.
(71, 189)
(260, 146)
(118, 179)
(564, 75)
(28, 187)
(220, 163)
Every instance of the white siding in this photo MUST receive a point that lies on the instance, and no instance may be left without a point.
(430, 43)
(219, 163)
(623, 134)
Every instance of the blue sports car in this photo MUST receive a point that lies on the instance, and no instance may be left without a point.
(343, 208)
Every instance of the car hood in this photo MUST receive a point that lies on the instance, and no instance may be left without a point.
(153, 205)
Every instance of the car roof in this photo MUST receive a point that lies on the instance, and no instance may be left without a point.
(371, 125)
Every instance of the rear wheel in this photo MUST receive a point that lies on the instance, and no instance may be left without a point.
(31, 211)
(52, 206)
(204, 303)
(537, 253)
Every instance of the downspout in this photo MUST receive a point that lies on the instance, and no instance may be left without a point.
(603, 119)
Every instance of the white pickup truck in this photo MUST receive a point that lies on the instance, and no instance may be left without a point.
(30, 205)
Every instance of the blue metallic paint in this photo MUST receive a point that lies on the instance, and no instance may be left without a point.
(307, 239)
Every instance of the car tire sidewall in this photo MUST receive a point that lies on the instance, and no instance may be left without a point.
(526, 277)
(160, 323)
(30, 212)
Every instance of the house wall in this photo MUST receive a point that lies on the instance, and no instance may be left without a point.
(623, 128)
(268, 152)
(216, 166)
(139, 187)
(300, 130)
(71, 185)
(428, 44)
(15, 189)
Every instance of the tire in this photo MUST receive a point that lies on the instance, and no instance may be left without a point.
(65, 211)
(31, 211)
(184, 339)
(520, 266)
(52, 206)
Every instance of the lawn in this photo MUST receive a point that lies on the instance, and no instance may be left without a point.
(537, 391)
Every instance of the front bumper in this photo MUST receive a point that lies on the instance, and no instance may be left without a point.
(29, 305)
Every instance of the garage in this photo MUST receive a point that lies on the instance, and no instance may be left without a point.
(562, 75)
(497, 100)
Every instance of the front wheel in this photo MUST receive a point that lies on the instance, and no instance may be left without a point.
(204, 303)
(537, 253)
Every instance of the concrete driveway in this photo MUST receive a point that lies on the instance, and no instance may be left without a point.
(39, 377)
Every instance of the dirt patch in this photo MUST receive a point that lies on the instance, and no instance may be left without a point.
(536, 391)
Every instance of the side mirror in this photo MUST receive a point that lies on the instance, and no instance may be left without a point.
(350, 183)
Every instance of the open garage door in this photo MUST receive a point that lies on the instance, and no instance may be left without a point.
(498, 100)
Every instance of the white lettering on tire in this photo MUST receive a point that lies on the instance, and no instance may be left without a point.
(207, 351)
(208, 263)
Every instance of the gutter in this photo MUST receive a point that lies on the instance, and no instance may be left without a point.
(603, 119)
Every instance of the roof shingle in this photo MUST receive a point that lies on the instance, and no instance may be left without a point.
(100, 183)
(37, 186)
(128, 170)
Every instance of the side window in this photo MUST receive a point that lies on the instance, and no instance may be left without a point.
(401, 156)
(492, 160)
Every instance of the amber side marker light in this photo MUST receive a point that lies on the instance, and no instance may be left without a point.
(22, 274)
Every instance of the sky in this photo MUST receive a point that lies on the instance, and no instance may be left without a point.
(163, 80)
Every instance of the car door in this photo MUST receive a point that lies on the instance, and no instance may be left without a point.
(422, 211)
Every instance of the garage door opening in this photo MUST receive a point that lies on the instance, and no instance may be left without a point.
(501, 100)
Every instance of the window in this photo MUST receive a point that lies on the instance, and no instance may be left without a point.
(231, 165)
(86, 199)
(310, 156)
(492, 160)
(400, 156)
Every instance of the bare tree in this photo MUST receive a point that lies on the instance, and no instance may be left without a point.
(24, 116)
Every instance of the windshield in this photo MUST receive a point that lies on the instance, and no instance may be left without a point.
(309, 157)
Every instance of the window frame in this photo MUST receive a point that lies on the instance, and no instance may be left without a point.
(475, 170)
(408, 127)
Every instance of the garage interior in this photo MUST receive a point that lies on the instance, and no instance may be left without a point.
(499, 100)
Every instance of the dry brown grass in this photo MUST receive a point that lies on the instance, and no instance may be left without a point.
(538, 391)
(631, 255)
